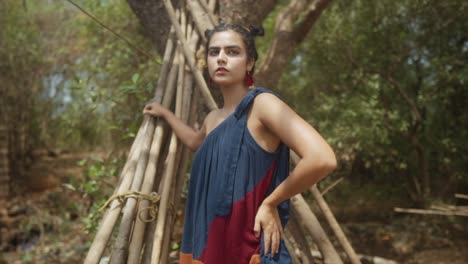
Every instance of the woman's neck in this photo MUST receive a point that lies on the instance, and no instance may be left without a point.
(232, 96)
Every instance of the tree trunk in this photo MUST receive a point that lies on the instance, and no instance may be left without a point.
(293, 25)
(4, 163)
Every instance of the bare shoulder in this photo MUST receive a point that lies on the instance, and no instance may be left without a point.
(213, 119)
(210, 117)
(268, 104)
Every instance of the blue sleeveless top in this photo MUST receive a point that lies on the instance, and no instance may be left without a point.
(231, 176)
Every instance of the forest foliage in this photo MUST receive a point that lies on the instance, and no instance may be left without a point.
(386, 83)
(383, 81)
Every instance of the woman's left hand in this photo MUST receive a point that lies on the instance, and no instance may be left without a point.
(267, 221)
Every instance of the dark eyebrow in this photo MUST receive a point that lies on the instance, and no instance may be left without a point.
(227, 47)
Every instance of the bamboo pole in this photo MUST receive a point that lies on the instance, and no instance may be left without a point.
(110, 218)
(310, 223)
(318, 235)
(295, 254)
(119, 253)
(294, 228)
(136, 241)
(354, 259)
(183, 154)
(149, 232)
(461, 196)
(148, 182)
(202, 19)
(189, 56)
(168, 177)
(193, 37)
(209, 12)
(187, 110)
(180, 107)
(324, 191)
(211, 5)
(171, 212)
(165, 244)
(428, 212)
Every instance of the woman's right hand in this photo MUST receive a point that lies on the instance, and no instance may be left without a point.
(154, 109)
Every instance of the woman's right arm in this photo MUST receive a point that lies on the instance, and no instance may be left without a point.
(190, 137)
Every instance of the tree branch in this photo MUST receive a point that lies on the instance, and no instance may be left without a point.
(245, 12)
(287, 38)
(313, 12)
(282, 45)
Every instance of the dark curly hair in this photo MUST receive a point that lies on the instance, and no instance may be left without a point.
(248, 35)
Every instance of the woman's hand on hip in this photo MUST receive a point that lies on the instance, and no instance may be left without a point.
(267, 221)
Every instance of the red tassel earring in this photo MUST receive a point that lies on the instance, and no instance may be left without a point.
(249, 80)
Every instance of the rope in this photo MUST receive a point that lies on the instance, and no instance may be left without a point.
(109, 29)
(153, 198)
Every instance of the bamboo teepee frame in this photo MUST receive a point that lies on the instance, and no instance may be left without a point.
(158, 166)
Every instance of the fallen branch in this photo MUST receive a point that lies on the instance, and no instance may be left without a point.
(331, 186)
(461, 196)
(340, 235)
(428, 212)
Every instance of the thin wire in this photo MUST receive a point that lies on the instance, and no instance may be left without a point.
(108, 28)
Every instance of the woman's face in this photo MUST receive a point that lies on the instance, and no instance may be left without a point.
(227, 58)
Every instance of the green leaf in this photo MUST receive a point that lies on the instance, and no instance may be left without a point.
(69, 186)
(135, 78)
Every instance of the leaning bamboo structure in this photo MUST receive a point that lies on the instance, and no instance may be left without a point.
(353, 258)
(158, 163)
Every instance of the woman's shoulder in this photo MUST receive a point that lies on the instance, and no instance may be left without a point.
(267, 99)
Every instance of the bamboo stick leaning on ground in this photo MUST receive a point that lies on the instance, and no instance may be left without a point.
(110, 218)
(120, 250)
(429, 212)
(165, 213)
(168, 177)
(353, 258)
(202, 19)
(121, 244)
(309, 222)
(189, 57)
(186, 82)
(189, 110)
(208, 11)
(297, 257)
(461, 196)
(211, 5)
(151, 227)
(299, 236)
(136, 241)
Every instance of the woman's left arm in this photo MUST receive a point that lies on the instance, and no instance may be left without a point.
(317, 160)
(317, 157)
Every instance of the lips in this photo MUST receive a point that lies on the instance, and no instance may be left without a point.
(221, 69)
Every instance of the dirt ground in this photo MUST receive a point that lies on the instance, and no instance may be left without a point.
(44, 223)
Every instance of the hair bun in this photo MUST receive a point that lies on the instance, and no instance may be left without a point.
(256, 31)
(208, 33)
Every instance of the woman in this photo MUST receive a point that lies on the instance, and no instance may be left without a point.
(240, 184)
